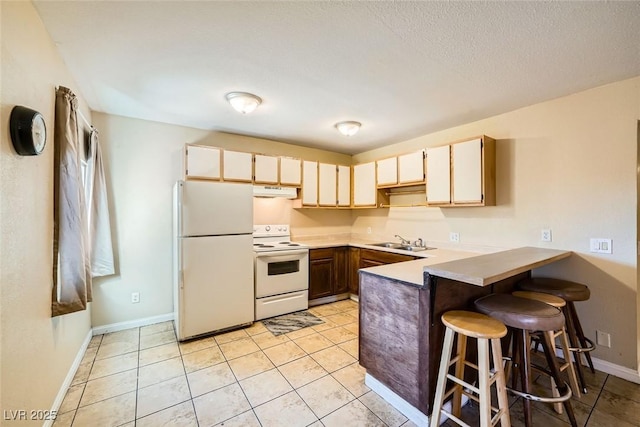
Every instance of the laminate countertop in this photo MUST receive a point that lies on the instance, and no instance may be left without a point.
(467, 267)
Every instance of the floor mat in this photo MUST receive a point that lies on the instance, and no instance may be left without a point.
(291, 322)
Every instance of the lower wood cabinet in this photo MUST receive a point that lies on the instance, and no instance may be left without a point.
(334, 271)
(328, 272)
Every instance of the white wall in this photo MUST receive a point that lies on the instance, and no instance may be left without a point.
(36, 351)
(143, 160)
(568, 165)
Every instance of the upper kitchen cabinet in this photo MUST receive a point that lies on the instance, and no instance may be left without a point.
(474, 172)
(309, 183)
(365, 191)
(265, 169)
(387, 172)
(237, 166)
(344, 186)
(411, 168)
(439, 176)
(364, 185)
(470, 169)
(201, 162)
(333, 184)
(290, 171)
(327, 185)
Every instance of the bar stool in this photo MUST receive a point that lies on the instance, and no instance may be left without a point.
(570, 292)
(556, 302)
(524, 316)
(484, 329)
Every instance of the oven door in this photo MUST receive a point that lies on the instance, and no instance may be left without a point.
(280, 272)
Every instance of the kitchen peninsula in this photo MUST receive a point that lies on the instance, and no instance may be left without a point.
(400, 307)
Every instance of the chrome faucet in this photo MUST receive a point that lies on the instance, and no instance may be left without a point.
(403, 240)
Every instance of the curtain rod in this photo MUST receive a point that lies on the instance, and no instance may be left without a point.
(84, 119)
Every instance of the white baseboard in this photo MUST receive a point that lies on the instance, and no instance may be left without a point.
(616, 370)
(610, 368)
(62, 392)
(407, 409)
(120, 326)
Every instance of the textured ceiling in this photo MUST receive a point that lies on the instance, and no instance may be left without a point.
(403, 69)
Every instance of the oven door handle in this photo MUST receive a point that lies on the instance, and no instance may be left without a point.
(276, 256)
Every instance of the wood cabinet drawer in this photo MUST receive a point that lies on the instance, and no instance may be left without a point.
(383, 257)
(321, 253)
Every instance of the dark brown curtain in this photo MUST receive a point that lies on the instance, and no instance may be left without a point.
(71, 257)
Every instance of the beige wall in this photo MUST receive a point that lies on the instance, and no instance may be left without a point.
(36, 351)
(568, 165)
(143, 160)
(553, 171)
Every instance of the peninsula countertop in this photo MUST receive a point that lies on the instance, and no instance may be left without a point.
(468, 267)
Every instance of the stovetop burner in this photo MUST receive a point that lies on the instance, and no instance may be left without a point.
(272, 238)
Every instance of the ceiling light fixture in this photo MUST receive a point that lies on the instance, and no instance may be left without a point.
(349, 128)
(243, 102)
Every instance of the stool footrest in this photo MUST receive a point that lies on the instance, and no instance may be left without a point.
(591, 347)
(543, 399)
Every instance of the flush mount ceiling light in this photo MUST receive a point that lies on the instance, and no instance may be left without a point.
(243, 102)
(348, 128)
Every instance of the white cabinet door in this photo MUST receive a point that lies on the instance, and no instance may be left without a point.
(411, 168)
(467, 171)
(327, 184)
(438, 175)
(265, 169)
(290, 171)
(202, 162)
(364, 184)
(309, 183)
(387, 171)
(344, 185)
(237, 166)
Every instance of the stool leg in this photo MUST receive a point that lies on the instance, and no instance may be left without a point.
(442, 378)
(573, 339)
(501, 386)
(483, 383)
(525, 375)
(573, 381)
(457, 394)
(554, 387)
(516, 361)
(555, 372)
(578, 326)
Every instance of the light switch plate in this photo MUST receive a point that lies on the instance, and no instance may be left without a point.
(601, 246)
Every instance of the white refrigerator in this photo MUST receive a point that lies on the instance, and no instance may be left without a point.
(213, 257)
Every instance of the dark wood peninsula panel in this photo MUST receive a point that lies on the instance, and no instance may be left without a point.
(401, 333)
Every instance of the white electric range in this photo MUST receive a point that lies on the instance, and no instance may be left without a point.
(281, 271)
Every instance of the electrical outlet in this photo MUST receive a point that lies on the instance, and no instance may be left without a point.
(368, 230)
(135, 297)
(601, 246)
(454, 237)
(603, 339)
(545, 236)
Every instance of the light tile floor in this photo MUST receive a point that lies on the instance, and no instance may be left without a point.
(310, 377)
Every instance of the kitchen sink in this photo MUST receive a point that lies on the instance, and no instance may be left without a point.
(400, 246)
(388, 245)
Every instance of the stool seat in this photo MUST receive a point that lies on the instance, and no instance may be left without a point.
(539, 296)
(474, 325)
(521, 313)
(565, 289)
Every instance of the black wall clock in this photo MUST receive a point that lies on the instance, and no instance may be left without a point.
(28, 131)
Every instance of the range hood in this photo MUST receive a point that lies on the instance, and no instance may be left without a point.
(271, 191)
